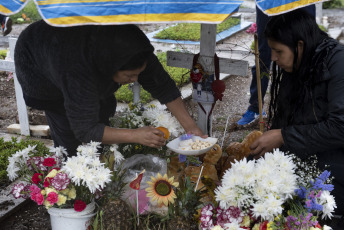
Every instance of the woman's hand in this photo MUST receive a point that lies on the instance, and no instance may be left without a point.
(266, 143)
(178, 109)
(149, 136)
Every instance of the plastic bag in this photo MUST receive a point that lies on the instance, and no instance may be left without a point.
(135, 165)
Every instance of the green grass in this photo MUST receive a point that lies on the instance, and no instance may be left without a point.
(333, 4)
(31, 13)
(192, 31)
(179, 75)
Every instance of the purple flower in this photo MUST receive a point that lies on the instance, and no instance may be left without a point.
(60, 181)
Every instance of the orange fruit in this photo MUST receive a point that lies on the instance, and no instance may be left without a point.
(165, 131)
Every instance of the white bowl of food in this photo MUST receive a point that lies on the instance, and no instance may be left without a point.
(194, 145)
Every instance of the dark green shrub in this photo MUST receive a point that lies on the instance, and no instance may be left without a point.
(333, 4)
(179, 75)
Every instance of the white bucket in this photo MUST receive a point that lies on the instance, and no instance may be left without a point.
(69, 219)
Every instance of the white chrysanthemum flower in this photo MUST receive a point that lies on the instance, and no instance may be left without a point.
(29, 149)
(58, 151)
(94, 144)
(272, 183)
(288, 185)
(96, 163)
(260, 210)
(12, 170)
(263, 170)
(103, 176)
(274, 207)
(233, 226)
(328, 203)
(90, 180)
(70, 165)
(231, 179)
(158, 117)
(78, 175)
(118, 156)
(259, 191)
(217, 227)
(90, 152)
(17, 161)
(80, 148)
(254, 186)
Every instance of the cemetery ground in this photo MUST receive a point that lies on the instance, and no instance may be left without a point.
(232, 106)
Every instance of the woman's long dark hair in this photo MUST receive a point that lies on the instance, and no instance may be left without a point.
(289, 29)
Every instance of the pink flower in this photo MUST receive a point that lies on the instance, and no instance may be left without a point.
(52, 198)
(35, 189)
(49, 162)
(17, 190)
(60, 181)
(252, 29)
(39, 198)
(79, 205)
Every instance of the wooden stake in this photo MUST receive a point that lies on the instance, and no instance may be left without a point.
(259, 86)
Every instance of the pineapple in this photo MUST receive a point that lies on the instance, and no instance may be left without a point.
(182, 212)
(117, 214)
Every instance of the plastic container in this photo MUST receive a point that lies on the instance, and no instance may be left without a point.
(69, 219)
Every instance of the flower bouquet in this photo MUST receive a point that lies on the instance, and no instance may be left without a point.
(268, 194)
(50, 181)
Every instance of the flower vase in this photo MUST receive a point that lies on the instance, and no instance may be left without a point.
(69, 219)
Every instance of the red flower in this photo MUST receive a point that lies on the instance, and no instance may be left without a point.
(49, 162)
(36, 178)
(79, 205)
(46, 183)
(264, 225)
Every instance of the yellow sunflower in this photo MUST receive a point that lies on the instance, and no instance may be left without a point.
(160, 189)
